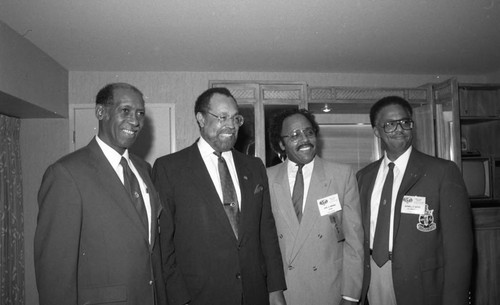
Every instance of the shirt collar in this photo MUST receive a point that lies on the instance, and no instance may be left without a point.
(112, 155)
(401, 161)
(207, 151)
(292, 166)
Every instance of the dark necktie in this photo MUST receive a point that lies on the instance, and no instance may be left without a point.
(380, 252)
(230, 199)
(298, 192)
(132, 185)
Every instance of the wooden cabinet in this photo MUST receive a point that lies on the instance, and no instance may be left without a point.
(486, 268)
(479, 100)
(467, 123)
(480, 119)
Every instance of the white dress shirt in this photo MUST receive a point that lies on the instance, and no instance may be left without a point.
(399, 171)
(114, 159)
(212, 163)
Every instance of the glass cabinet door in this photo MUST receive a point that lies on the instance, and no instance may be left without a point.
(258, 102)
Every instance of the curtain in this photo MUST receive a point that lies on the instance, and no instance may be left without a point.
(11, 214)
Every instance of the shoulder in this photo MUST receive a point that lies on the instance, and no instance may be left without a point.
(368, 169)
(247, 159)
(431, 163)
(175, 157)
(275, 169)
(330, 166)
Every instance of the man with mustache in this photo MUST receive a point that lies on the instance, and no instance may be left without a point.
(218, 235)
(318, 218)
(416, 216)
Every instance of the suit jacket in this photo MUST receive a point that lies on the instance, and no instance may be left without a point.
(323, 255)
(90, 245)
(203, 260)
(432, 252)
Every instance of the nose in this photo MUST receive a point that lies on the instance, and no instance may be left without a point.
(134, 118)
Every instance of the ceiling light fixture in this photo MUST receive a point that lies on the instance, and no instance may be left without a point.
(326, 108)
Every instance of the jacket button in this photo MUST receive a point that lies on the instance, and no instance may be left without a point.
(150, 283)
(238, 275)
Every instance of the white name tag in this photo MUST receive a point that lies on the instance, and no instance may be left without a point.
(413, 205)
(329, 205)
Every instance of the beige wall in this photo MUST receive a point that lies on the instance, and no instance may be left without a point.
(182, 88)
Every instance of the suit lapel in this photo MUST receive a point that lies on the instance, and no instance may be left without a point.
(412, 174)
(153, 198)
(285, 205)
(318, 188)
(111, 183)
(366, 189)
(201, 178)
(247, 188)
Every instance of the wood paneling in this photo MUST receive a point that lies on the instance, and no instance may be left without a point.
(486, 272)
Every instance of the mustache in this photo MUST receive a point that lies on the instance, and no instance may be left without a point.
(227, 130)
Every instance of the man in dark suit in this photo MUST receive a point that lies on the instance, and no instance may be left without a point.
(318, 218)
(218, 235)
(96, 240)
(417, 219)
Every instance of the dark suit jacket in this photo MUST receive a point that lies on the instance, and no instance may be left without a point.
(204, 262)
(430, 266)
(90, 245)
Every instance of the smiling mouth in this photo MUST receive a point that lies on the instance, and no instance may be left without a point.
(129, 132)
(305, 147)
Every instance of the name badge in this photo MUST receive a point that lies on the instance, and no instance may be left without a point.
(329, 205)
(413, 205)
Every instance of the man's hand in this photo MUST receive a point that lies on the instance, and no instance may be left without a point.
(277, 298)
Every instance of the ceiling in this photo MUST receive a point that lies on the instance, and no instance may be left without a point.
(359, 36)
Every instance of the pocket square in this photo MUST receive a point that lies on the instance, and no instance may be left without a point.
(258, 188)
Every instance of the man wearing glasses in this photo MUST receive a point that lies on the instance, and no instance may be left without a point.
(218, 236)
(416, 216)
(318, 216)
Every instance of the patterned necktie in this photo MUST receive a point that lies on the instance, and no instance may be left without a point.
(230, 199)
(132, 185)
(298, 192)
(380, 252)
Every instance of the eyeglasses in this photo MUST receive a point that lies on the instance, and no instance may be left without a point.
(237, 119)
(391, 126)
(308, 132)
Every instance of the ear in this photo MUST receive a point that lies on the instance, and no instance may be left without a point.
(200, 119)
(282, 146)
(376, 131)
(99, 111)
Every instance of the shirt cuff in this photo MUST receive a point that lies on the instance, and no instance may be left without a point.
(349, 299)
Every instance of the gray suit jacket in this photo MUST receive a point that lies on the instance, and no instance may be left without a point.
(323, 255)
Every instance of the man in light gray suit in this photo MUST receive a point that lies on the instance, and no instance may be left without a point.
(318, 218)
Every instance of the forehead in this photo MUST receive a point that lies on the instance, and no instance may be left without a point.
(296, 121)
(222, 104)
(125, 96)
(391, 113)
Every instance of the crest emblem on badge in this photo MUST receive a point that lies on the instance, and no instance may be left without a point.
(426, 221)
